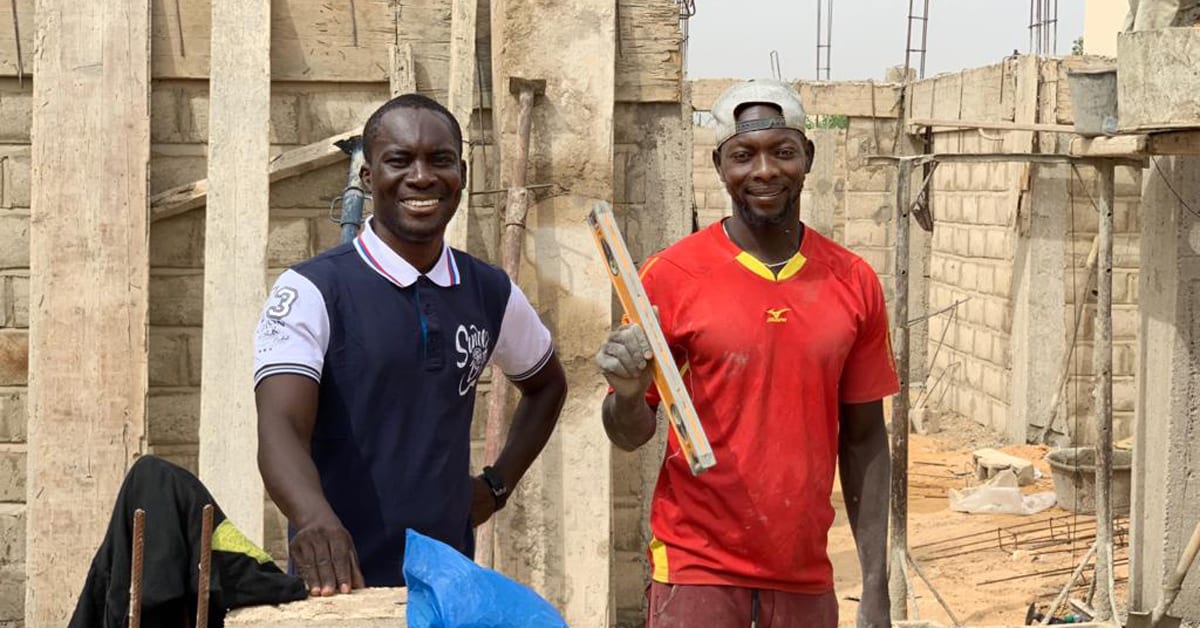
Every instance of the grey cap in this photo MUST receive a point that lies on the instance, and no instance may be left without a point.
(763, 91)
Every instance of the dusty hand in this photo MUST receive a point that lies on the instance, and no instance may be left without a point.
(483, 503)
(324, 555)
(624, 359)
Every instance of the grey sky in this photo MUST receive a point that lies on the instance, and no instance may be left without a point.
(734, 38)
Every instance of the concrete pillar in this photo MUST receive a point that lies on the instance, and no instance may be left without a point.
(1039, 332)
(1166, 493)
(556, 533)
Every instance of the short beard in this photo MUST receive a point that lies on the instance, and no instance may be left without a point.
(754, 220)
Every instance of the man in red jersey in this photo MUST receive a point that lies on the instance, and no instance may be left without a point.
(782, 339)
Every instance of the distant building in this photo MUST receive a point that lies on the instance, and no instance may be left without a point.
(1102, 20)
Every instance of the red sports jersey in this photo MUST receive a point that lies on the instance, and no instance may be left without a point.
(767, 360)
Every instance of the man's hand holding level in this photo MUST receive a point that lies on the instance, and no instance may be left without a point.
(624, 358)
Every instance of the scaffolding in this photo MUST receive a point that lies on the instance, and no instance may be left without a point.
(1104, 154)
(824, 38)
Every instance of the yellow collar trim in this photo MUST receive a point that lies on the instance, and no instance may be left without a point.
(758, 268)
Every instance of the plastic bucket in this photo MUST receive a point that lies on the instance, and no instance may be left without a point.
(1074, 472)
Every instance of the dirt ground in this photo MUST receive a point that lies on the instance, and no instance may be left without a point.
(988, 568)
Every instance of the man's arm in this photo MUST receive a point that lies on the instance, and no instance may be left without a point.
(322, 548)
(865, 466)
(533, 422)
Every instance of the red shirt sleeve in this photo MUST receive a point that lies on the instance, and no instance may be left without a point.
(869, 373)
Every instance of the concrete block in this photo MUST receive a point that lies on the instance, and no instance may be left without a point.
(14, 358)
(186, 456)
(988, 462)
(1124, 394)
(948, 207)
(998, 244)
(976, 242)
(179, 113)
(178, 242)
(195, 353)
(177, 300)
(986, 279)
(982, 347)
(315, 189)
(16, 117)
(1127, 251)
(965, 338)
(328, 235)
(322, 114)
(168, 171)
(993, 314)
(164, 115)
(14, 240)
(953, 272)
(716, 199)
(285, 118)
(12, 476)
(13, 417)
(20, 300)
(16, 182)
(1124, 322)
(867, 233)
(365, 608)
(1124, 359)
(168, 356)
(289, 241)
(12, 592)
(969, 279)
(868, 205)
(975, 311)
(12, 533)
(173, 417)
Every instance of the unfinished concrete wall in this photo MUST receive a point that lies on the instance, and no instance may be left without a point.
(15, 120)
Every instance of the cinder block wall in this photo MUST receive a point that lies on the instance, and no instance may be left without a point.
(15, 120)
(1079, 399)
(972, 258)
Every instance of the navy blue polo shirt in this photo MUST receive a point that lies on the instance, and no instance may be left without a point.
(397, 354)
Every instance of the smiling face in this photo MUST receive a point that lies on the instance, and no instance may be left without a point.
(763, 171)
(415, 174)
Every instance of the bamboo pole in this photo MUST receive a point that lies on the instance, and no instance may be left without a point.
(516, 208)
(897, 586)
(1104, 603)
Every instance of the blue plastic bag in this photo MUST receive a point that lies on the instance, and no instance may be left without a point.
(448, 590)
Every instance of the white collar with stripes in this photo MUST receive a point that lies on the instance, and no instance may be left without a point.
(383, 260)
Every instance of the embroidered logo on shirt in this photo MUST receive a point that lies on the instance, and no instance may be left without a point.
(777, 316)
(472, 345)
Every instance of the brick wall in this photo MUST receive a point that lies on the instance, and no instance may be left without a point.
(1078, 397)
(15, 119)
(972, 258)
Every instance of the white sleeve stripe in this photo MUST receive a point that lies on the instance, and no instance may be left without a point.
(536, 367)
(277, 369)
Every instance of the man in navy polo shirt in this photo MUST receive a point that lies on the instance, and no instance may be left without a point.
(366, 359)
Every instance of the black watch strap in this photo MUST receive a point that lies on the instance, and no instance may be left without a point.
(496, 483)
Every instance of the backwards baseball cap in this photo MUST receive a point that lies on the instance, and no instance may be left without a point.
(757, 92)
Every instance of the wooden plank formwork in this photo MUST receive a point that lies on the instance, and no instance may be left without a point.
(235, 257)
(89, 250)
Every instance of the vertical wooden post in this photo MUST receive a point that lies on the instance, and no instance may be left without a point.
(89, 263)
(1102, 363)
(461, 101)
(897, 580)
(235, 252)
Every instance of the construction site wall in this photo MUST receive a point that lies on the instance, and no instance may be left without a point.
(330, 69)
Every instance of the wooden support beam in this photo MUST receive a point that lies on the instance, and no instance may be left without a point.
(997, 125)
(184, 198)
(235, 256)
(857, 99)
(89, 251)
(461, 102)
(401, 72)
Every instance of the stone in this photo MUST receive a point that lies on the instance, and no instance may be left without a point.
(990, 461)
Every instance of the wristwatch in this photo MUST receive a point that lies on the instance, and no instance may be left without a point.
(496, 485)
